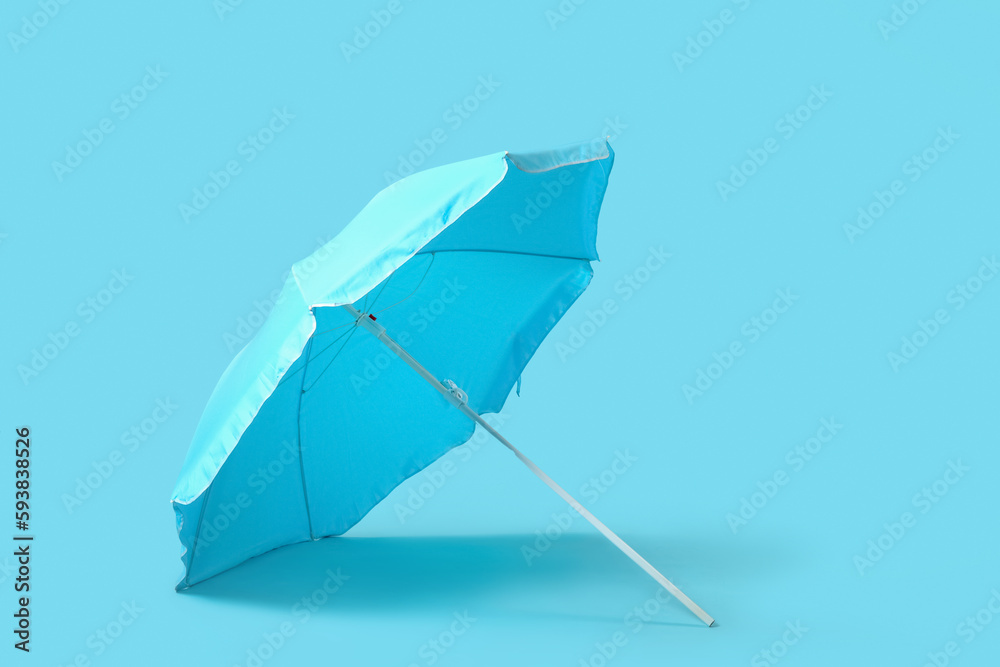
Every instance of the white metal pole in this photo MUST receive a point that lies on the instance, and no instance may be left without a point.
(458, 400)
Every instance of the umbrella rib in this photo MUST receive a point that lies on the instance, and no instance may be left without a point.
(426, 271)
(306, 360)
(375, 300)
(459, 400)
(298, 431)
(313, 383)
(197, 534)
(339, 326)
(505, 252)
(384, 285)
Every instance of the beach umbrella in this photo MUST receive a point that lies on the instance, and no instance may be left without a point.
(386, 347)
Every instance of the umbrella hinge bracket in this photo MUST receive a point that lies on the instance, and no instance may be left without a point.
(455, 395)
(368, 322)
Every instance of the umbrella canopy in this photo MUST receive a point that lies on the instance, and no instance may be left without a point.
(461, 271)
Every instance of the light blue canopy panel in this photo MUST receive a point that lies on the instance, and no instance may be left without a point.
(468, 266)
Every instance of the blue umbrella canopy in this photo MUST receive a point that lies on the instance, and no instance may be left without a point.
(460, 270)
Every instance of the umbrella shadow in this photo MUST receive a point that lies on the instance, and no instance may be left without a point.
(381, 573)
(441, 573)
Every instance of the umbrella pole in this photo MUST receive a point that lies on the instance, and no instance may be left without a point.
(458, 399)
(597, 523)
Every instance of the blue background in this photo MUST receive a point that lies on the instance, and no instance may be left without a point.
(678, 129)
